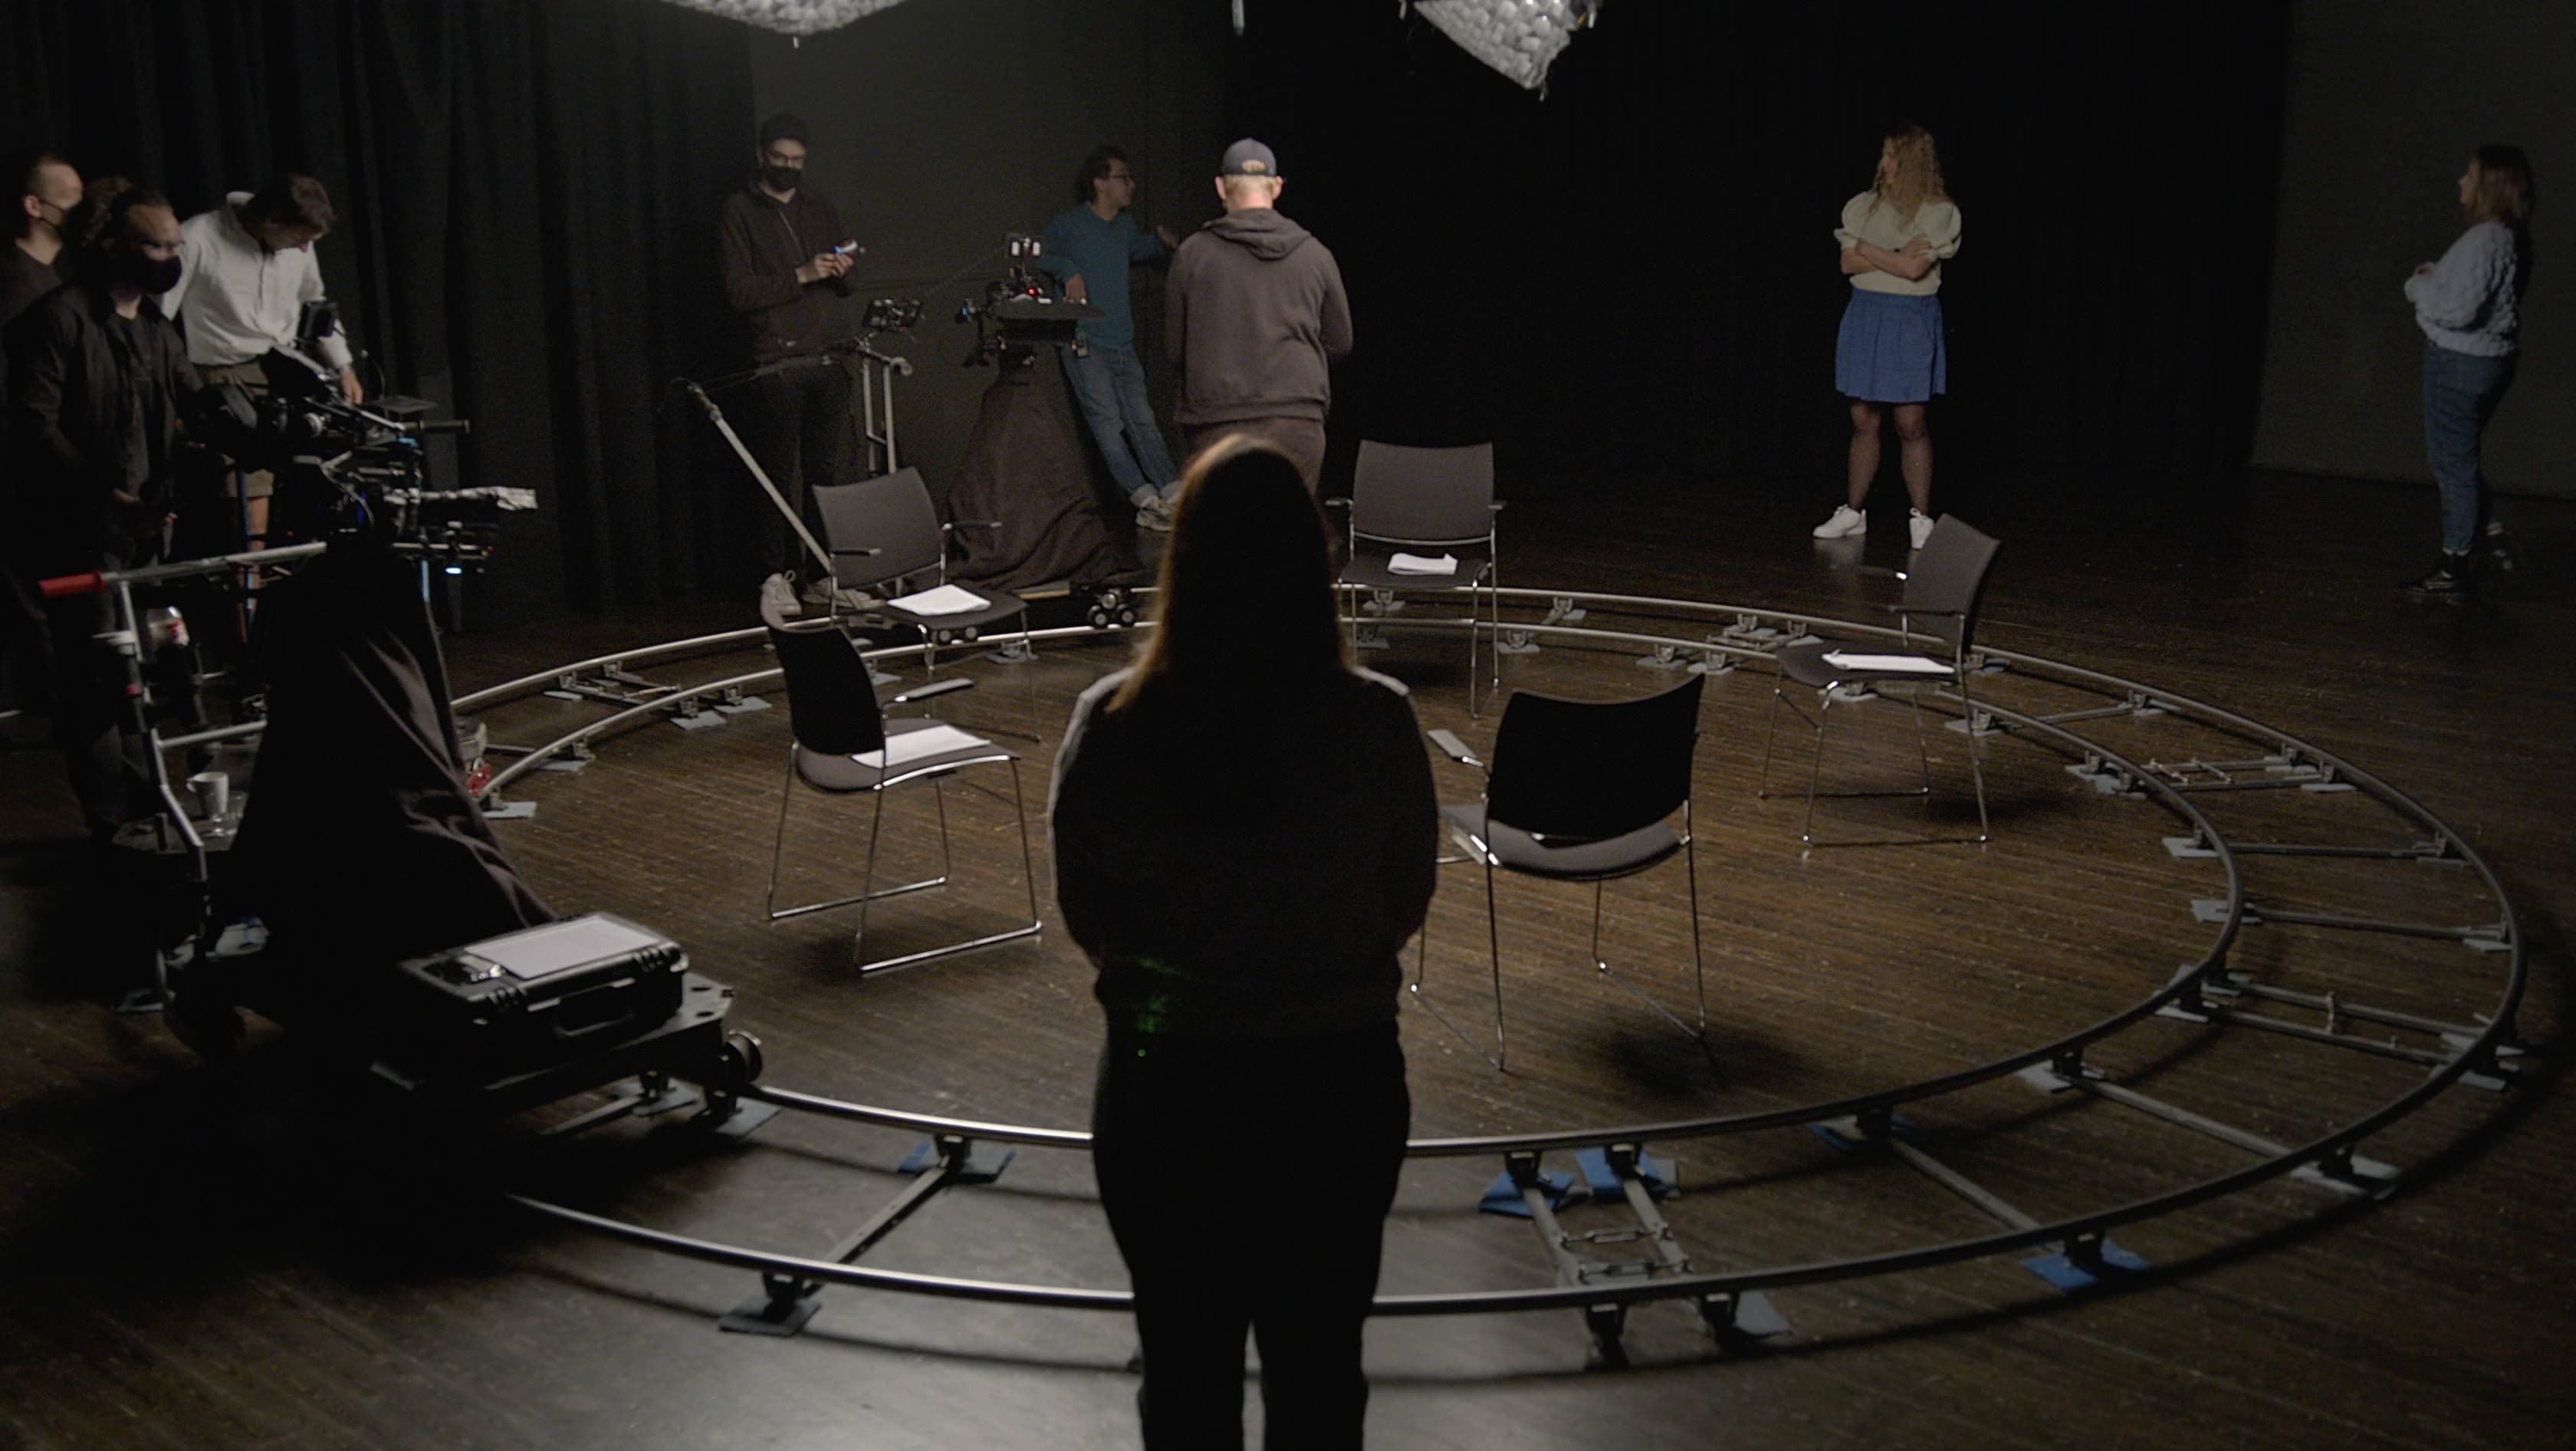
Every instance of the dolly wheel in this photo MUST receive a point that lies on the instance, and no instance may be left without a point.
(738, 1063)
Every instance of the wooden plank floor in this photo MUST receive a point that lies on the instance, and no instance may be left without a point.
(203, 1260)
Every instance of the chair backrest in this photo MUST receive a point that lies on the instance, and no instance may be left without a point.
(831, 704)
(1406, 495)
(891, 514)
(1587, 770)
(1947, 584)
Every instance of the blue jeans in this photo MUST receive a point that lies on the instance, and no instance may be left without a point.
(2460, 393)
(1110, 386)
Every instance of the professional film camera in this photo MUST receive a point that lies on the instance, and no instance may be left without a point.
(347, 469)
(1019, 311)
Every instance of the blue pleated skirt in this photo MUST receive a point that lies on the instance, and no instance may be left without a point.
(1890, 349)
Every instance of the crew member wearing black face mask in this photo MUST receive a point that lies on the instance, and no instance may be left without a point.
(786, 269)
(48, 189)
(98, 378)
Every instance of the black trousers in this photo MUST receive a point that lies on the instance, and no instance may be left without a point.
(797, 423)
(1247, 1183)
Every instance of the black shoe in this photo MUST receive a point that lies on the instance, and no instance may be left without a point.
(2448, 581)
(2503, 552)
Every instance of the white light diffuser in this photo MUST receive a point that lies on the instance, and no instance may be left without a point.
(790, 17)
(1519, 38)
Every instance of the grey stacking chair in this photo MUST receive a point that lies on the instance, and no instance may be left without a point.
(885, 532)
(834, 717)
(1581, 791)
(1938, 619)
(1406, 499)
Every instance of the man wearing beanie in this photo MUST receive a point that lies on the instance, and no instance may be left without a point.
(1254, 312)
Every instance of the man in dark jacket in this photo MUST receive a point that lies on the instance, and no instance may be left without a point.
(46, 184)
(786, 270)
(97, 381)
(1254, 312)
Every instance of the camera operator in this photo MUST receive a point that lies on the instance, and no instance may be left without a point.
(246, 273)
(97, 380)
(786, 269)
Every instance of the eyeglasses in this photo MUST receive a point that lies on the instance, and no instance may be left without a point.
(1121, 176)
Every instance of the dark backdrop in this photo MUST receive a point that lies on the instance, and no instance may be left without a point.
(527, 192)
(1636, 270)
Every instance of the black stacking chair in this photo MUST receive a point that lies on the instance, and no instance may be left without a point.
(1938, 618)
(885, 538)
(833, 713)
(1412, 500)
(1581, 792)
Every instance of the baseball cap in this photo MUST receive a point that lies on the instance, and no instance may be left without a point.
(1248, 157)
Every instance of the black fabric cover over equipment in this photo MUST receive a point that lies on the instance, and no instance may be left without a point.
(1025, 469)
(360, 846)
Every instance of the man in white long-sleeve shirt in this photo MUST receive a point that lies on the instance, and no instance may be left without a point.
(246, 270)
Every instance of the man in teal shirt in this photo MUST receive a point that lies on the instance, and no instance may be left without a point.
(1088, 247)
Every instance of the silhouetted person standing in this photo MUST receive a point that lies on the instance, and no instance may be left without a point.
(1244, 841)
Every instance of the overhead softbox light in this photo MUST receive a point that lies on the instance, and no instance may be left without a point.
(1519, 38)
(790, 17)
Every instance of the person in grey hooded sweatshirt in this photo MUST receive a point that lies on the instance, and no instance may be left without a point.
(1254, 314)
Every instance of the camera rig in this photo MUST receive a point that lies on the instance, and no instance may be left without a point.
(347, 469)
(1019, 311)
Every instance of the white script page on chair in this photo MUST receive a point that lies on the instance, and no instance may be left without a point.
(913, 746)
(1908, 664)
(948, 599)
(1423, 564)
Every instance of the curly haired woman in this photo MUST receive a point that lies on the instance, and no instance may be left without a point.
(2466, 306)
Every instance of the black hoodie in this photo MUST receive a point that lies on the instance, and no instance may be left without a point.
(1253, 312)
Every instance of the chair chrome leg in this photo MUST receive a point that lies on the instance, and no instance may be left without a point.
(1770, 732)
(1690, 868)
(939, 802)
(1921, 751)
(1816, 769)
(1422, 957)
(1976, 764)
(778, 847)
(1494, 950)
(868, 874)
(1028, 863)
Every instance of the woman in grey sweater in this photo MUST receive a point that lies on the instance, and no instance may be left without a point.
(1245, 835)
(2466, 305)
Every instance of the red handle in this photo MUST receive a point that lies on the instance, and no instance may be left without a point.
(66, 585)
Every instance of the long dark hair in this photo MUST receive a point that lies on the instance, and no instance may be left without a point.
(1245, 598)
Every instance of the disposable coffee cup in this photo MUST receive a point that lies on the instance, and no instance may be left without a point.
(214, 793)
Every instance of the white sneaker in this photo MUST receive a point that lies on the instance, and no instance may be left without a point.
(778, 593)
(1847, 523)
(1154, 514)
(1918, 524)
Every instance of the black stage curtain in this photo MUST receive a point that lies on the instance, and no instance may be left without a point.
(527, 192)
(1636, 270)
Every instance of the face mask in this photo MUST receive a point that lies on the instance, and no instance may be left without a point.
(152, 274)
(782, 178)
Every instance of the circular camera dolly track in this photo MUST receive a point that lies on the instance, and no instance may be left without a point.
(2455, 1027)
